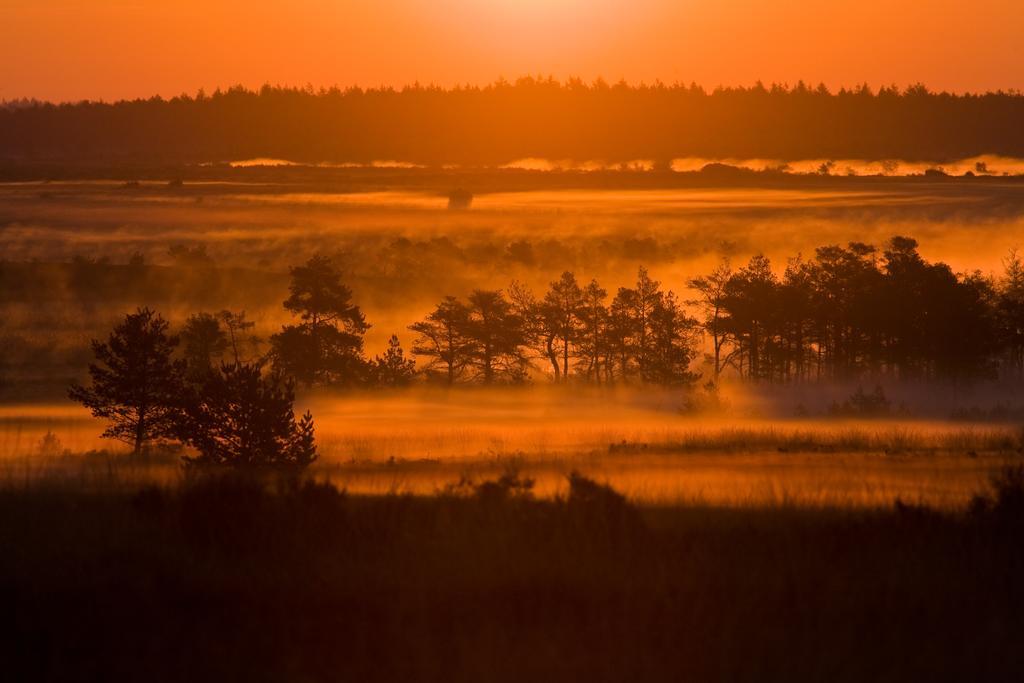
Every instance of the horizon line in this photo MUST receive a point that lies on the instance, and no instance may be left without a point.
(501, 81)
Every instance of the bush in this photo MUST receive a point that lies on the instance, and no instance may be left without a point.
(601, 510)
(510, 485)
(1006, 502)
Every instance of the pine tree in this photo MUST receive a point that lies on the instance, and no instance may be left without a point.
(593, 343)
(393, 369)
(136, 385)
(244, 418)
(497, 333)
(672, 344)
(561, 309)
(327, 347)
(236, 325)
(711, 296)
(442, 340)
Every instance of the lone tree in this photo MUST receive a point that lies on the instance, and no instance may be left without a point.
(136, 386)
(244, 418)
(327, 347)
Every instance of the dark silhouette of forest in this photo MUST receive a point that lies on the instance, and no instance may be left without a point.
(846, 313)
(531, 117)
(853, 313)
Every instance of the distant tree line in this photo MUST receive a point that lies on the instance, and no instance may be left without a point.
(532, 117)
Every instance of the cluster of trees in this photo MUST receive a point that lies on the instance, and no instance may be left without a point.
(493, 337)
(529, 118)
(643, 334)
(853, 311)
(209, 388)
(236, 415)
(847, 313)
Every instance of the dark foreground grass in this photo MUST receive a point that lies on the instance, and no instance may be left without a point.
(226, 580)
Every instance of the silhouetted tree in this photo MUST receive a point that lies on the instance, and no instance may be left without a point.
(593, 321)
(538, 336)
(1010, 312)
(710, 302)
(497, 336)
(560, 312)
(846, 314)
(671, 345)
(136, 384)
(242, 417)
(442, 339)
(750, 302)
(630, 325)
(236, 326)
(621, 336)
(393, 369)
(326, 348)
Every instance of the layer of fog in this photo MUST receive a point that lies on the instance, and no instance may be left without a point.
(985, 164)
(423, 441)
(403, 251)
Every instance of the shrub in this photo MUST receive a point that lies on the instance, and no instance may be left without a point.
(1005, 504)
(601, 510)
(509, 485)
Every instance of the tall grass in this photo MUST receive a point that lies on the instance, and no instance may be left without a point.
(881, 438)
(234, 579)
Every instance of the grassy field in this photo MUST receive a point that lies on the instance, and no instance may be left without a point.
(234, 579)
(419, 443)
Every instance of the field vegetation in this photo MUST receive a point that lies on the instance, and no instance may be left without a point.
(235, 577)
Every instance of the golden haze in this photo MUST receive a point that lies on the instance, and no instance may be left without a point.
(111, 49)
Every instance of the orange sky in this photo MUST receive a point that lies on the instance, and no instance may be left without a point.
(109, 49)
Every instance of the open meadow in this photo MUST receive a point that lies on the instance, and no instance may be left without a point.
(553, 519)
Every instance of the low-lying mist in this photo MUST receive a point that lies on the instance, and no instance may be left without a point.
(645, 443)
(76, 256)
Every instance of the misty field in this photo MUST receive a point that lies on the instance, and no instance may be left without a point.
(225, 238)
(422, 442)
(528, 530)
